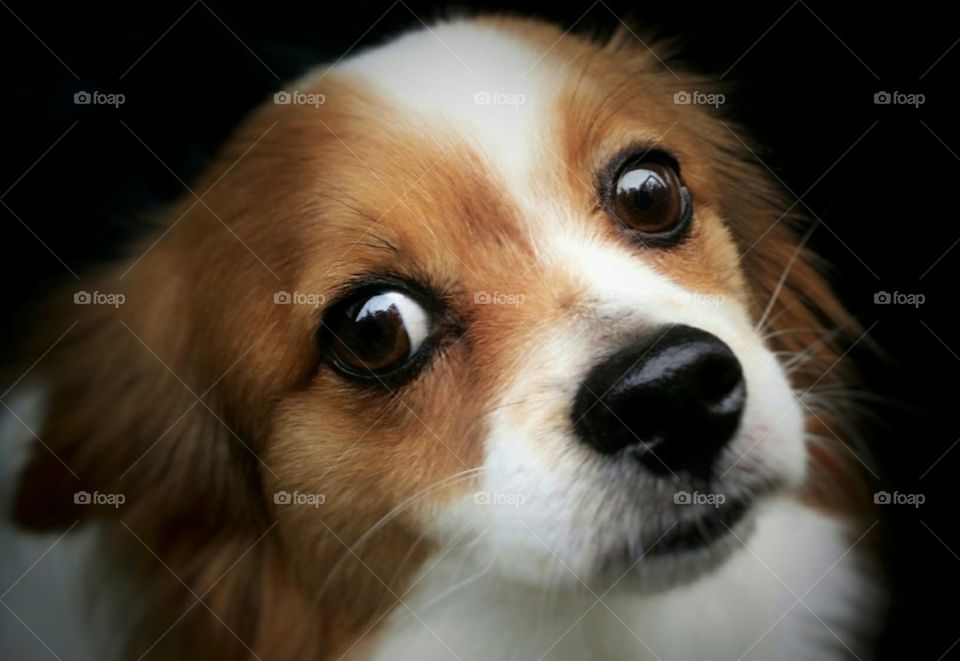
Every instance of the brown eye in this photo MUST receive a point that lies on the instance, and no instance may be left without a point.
(376, 333)
(648, 197)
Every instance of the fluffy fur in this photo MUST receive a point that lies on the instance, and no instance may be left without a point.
(200, 397)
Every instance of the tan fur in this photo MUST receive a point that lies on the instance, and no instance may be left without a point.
(318, 213)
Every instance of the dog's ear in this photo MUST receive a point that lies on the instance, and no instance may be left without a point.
(161, 390)
(129, 416)
(158, 375)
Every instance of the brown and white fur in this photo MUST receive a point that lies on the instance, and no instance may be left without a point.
(200, 398)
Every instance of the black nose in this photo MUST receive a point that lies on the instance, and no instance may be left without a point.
(672, 401)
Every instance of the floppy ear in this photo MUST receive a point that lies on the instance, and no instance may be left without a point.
(149, 396)
(127, 410)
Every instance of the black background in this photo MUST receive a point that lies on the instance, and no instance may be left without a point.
(879, 176)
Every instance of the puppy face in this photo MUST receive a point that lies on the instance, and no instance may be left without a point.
(498, 294)
(525, 349)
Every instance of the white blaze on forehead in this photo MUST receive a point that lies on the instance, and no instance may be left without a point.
(490, 88)
(498, 93)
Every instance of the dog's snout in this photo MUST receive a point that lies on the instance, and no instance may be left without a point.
(672, 401)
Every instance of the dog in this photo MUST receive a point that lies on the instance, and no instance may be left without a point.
(486, 342)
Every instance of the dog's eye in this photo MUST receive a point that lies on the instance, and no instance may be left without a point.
(375, 334)
(649, 198)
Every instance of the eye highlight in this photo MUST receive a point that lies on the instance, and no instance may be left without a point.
(645, 195)
(376, 333)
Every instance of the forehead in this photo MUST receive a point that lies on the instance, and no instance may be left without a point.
(466, 146)
(472, 79)
(519, 94)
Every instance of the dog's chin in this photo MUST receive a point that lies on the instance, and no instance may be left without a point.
(694, 544)
(689, 537)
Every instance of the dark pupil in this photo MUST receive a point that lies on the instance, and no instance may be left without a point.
(374, 337)
(645, 187)
(380, 332)
(648, 198)
(377, 328)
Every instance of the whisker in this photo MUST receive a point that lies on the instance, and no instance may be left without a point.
(459, 584)
(847, 393)
(787, 331)
(783, 277)
(462, 476)
(444, 551)
(518, 402)
(829, 335)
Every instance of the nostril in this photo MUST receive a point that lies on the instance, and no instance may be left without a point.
(673, 402)
(719, 378)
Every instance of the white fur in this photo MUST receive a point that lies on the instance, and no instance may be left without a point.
(436, 75)
(747, 609)
(509, 579)
(512, 580)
